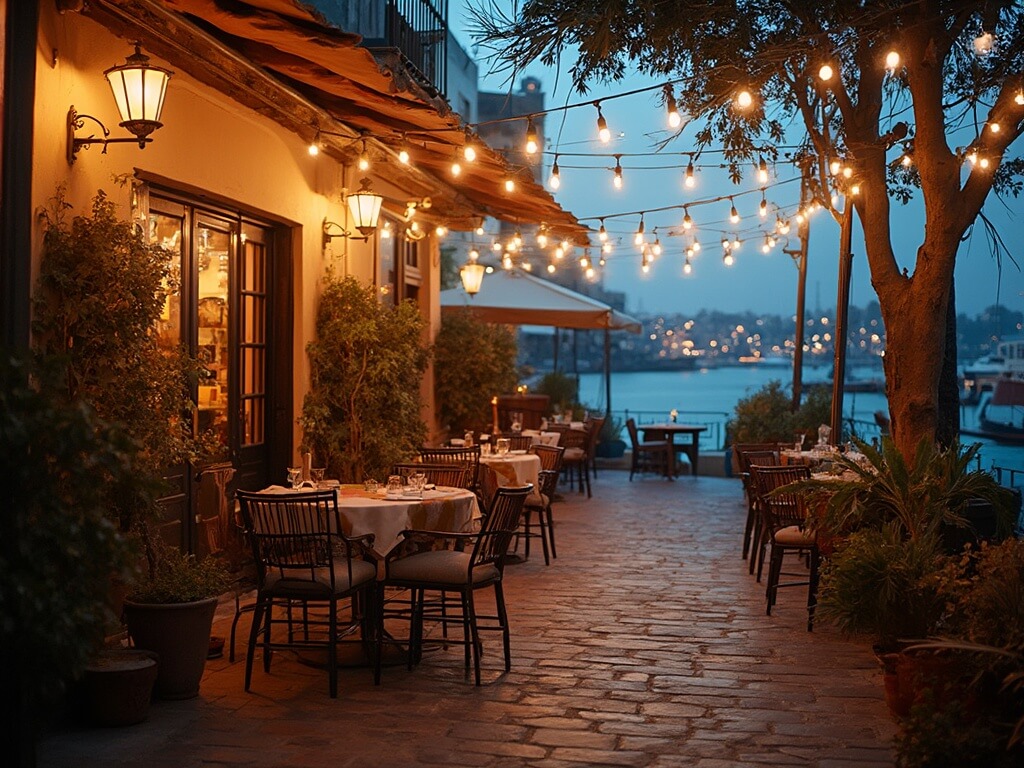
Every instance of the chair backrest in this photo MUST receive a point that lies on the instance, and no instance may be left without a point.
(547, 480)
(780, 509)
(550, 456)
(450, 475)
(499, 526)
(519, 442)
(575, 438)
(468, 457)
(294, 535)
(750, 459)
(739, 449)
(634, 440)
(593, 427)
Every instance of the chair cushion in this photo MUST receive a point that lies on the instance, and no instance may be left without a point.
(573, 454)
(537, 500)
(659, 445)
(298, 583)
(794, 536)
(439, 567)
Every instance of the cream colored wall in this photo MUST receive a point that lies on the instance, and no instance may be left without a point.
(207, 141)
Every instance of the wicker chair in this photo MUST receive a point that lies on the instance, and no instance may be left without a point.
(649, 454)
(576, 460)
(519, 442)
(302, 557)
(747, 458)
(467, 457)
(540, 502)
(463, 572)
(593, 425)
(550, 460)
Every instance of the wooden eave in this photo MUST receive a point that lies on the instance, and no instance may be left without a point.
(284, 61)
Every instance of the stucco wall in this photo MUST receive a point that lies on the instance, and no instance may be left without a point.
(208, 142)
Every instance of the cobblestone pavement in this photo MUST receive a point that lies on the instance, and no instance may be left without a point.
(644, 644)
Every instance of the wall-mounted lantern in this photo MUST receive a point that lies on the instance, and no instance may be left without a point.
(472, 274)
(364, 206)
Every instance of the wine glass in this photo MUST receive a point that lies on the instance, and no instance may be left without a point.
(295, 477)
(316, 474)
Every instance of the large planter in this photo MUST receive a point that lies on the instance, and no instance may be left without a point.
(180, 634)
(611, 449)
(118, 686)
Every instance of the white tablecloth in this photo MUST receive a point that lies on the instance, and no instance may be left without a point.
(515, 469)
(542, 438)
(442, 509)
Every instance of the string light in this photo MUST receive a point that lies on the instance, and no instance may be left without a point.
(566, 246)
(892, 60)
(532, 142)
(834, 167)
(441, 230)
(364, 159)
(762, 209)
(589, 273)
(734, 215)
(617, 179)
(736, 243)
(1019, 98)
(559, 253)
(601, 262)
(994, 127)
(602, 233)
(584, 262)
(767, 246)
(983, 43)
(728, 259)
(480, 227)
(528, 266)
(762, 171)
(826, 72)
(656, 246)
(555, 180)
(517, 238)
(456, 167)
(506, 262)
(855, 190)
(403, 153)
(687, 220)
(673, 110)
(385, 231)
(510, 185)
(551, 269)
(645, 263)
(602, 125)
(542, 237)
(495, 246)
(906, 160)
(744, 99)
(469, 147)
(688, 179)
(314, 145)
(696, 246)
(983, 162)
(638, 238)
(606, 248)
(687, 266)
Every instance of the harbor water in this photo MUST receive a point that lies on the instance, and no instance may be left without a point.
(709, 395)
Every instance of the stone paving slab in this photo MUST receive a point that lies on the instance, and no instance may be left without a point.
(645, 643)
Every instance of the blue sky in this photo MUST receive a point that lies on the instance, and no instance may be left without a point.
(758, 282)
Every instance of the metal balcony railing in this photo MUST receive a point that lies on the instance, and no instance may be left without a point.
(419, 29)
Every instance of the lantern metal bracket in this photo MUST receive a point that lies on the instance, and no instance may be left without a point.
(328, 235)
(74, 144)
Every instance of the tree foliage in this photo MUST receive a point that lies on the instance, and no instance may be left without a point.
(766, 415)
(362, 412)
(474, 361)
(959, 74)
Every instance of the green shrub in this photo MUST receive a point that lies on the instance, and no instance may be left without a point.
(181, 578)
(362, 412)
(563, 390)
(474, 361)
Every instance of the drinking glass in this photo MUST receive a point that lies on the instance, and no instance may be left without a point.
(394, 486)
(798, 442)
(824, 434)
(418, 481)
(316, 474)
(503, 445)
(370, 485)
(485, 449)
(295, 477)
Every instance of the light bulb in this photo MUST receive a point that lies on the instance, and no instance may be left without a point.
(767, 246)
(506, 262)
(531, 138)
(994, 127)
(689, 180)
(744, 99)
(602, 233)
(762, 209)
(728, 259)
(601, 262)
(734, 215)
(559, 253)
(441, 230)
(314, 149)
(469, 152)
(673, 110)
(566, 246)
(696, 246)
(551, 269)
(1019, 98)
(736, 243)
(456, 168)
(906, 161)
(584, 262)
(892, 60)
(855, 190)
(403, 156)
(480, 229)
(656, 247)
(517, 238)
(973, 157)
(726, 243)
(589, 273)
(602, 127)
(364, 163)
(385, 231)
(762, 171)
(542, 240)
(983, 162)
(528, 266)
(687, 266)
(847, 172)
(606, 248)
(474, 254)
(687, 220)
(638, 238)
(495, 246)
(510, 185)
(511, 246)
(834, 167)
(826, 72)
(617, 178)
(555, 181)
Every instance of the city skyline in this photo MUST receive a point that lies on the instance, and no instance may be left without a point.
(758, 282)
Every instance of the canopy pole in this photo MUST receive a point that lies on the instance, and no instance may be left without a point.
(842, 311)
(607, 373)
(554, 354)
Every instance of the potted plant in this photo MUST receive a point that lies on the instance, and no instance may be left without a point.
(171, 612)
(101, 293)
(361, 416)
(610, 443)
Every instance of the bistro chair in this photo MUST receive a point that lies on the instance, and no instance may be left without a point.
(469, 457)
(653, 455)
(477, 562)
(593, 425)
(519, 442)
(748, 458)
(784, 516)
(446, 475)
(550, 460)
(540, 502)
(764, 480)
(302, 557)
(576, 460)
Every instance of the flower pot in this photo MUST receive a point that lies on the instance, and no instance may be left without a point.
(119, 686)
(611, 449)
(180, 635)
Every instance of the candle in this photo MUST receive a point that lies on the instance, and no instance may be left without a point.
(673, 414)
(494, 409)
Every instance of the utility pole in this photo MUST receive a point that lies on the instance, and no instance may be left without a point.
(800, 259)
(842, 310)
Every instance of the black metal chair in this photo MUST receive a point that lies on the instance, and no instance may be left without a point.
(303, 559)
(463, 572)
(540, 502)
(550, 460)
(650, 454)
(467, 457)
(747, 457)
(576, 460)
(447, 475)
(519, 442)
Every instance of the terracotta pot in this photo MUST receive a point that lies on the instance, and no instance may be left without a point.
(118, 687)
(180, 635)
(911, 675)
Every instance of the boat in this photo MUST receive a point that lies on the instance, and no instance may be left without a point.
(1007, 362)
(1001, 414)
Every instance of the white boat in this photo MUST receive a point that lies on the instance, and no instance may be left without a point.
(1001, 415)
(1007, 362)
